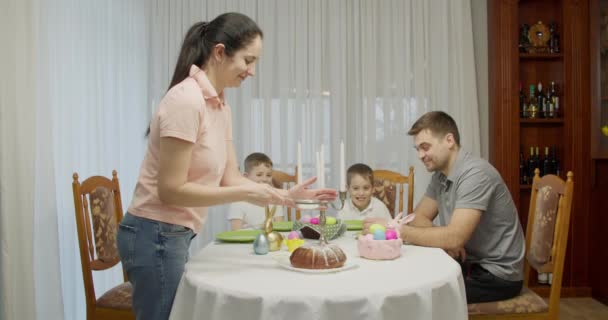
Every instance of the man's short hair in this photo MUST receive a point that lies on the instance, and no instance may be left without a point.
(361, 169)
(439, 123)
(255, 159)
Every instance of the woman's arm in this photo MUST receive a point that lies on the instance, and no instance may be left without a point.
(174, 188)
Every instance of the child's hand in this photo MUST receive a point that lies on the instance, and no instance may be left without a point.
(369, 221)
(301, 191)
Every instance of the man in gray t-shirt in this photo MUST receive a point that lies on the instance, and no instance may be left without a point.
(479, 225)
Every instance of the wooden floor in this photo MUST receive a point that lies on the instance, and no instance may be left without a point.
(582, 309)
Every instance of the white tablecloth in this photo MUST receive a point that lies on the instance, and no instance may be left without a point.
(229, 281)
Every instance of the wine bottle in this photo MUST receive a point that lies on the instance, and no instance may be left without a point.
(522, 102)
(554, 162)
(541, 100)
(547, 163)
(532, 104)
(523, 174)
(531, 166)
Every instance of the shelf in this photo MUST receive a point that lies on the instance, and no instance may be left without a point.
(542, 121)
(541, 56)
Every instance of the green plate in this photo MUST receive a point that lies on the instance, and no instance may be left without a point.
(238, 235)
(282, 225)
(354, 224)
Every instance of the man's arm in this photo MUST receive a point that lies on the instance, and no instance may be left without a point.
(425, 211)
(451, 237)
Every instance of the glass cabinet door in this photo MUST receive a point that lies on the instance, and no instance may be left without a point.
(599, 72)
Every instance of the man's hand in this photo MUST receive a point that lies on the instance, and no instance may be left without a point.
(459, 254)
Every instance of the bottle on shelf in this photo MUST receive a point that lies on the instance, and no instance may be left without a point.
(523, 112)
(555, 100)
(550, 110)
(524, 41)
(523, 171)
(553, 38)
(532, 104)
(554, 162)
(546, 167)
(541, 100)
(531, 166)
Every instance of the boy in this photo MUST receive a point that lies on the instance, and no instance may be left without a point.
(361, 203)
(244, 215)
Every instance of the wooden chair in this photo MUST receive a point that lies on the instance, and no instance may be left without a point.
(546, 241)
(386, 184)
(284, 180)
(98, 210)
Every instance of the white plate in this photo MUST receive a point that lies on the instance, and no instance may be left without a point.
(284, 262)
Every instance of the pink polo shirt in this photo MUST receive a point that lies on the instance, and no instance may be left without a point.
(191, 111)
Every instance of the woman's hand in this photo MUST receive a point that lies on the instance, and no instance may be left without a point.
(301, 191)
(261, 194)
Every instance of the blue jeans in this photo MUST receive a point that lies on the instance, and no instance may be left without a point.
(153, 254)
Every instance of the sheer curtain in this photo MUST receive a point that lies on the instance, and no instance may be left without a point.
(358, 71)
(80, 80)
(74, 99)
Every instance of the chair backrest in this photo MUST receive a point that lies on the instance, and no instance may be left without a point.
(98, 209)
(284, 180)
(547, 230)
(390, 184)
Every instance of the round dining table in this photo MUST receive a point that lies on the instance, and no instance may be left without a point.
(229, 281)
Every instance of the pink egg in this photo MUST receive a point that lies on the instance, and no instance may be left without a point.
(305, 219)
(293, 235)
(369, 236)
(314, 220)
(391, 234)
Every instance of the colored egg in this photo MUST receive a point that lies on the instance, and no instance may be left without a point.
(260, 244)
(379, 235)
(369, 237)
(314, 220)
(375, 226)
(390, 234)
(330, 220)
(305, 218)
(293, 235)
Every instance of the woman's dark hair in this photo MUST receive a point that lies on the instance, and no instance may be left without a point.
(234, 30)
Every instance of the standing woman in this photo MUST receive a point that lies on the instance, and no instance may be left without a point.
(190, 163)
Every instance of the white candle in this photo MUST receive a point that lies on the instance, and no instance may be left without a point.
(299, 165)
(318, 170)
(342, 170)
(322, 178)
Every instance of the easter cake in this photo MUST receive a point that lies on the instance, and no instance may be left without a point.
(318, 257)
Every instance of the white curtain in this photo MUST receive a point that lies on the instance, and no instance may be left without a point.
(74, 99)
(80, 80)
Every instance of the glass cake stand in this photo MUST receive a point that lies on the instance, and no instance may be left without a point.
(312, 204)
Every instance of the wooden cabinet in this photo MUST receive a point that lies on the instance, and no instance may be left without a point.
(510, 134)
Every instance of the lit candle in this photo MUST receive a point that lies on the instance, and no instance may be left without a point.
(299, 165)
(342, 170)
(322, 157)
